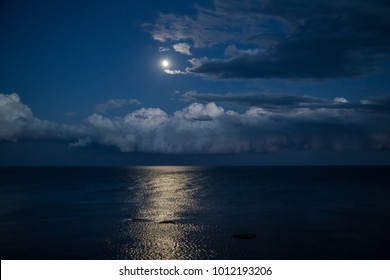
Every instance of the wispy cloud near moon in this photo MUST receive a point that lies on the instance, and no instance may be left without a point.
(174, 72)
(182, 48)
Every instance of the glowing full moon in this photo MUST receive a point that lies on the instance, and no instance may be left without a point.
(165, 63)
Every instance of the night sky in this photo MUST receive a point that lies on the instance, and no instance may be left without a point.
(245, 82)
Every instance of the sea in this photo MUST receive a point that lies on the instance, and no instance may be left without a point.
(195, 213)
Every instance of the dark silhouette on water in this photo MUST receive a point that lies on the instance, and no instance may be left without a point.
(167, 222)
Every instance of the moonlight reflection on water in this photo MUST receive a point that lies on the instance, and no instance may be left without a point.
(165, 198)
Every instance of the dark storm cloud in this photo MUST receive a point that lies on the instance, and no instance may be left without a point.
(291, 39)
(209, 129)
(284, 101)
(219, 25)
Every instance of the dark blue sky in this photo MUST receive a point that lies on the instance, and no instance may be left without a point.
(249, 82)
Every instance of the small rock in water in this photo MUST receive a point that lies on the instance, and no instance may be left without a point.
(245, 236)
(167, 222)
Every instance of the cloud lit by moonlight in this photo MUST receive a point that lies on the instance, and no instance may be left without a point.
(165, 64)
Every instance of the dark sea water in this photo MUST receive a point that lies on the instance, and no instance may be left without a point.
(178, 212)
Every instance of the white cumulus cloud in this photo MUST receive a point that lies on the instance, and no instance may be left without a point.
(183, 48)
(209, 128)
(18, 122)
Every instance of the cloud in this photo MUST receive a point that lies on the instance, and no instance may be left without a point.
(163, 49)
(267, 125)
(15, 117)
(174, 72)
(268, 101)
(210, 27)
(210, 128)
(283, 102)
(115, 103)
(18, 122)
(340, 100)
(305, 39)
(232, 51)
(199, 112)
(81, 142)
(183, 48)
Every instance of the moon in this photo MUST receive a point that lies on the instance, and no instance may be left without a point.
(165, 63)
